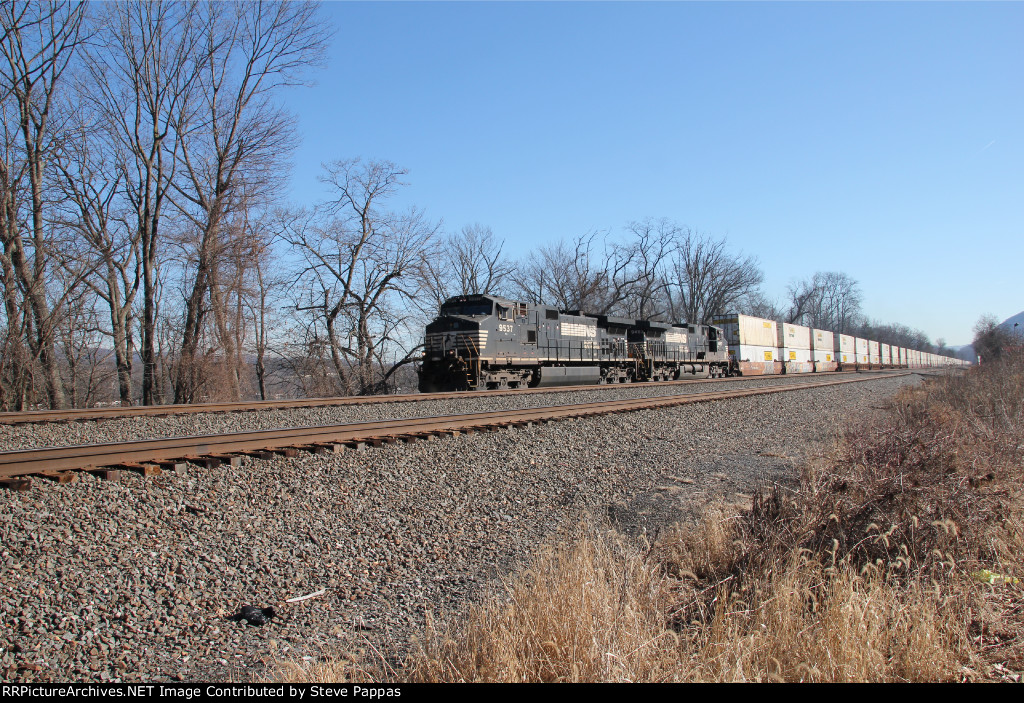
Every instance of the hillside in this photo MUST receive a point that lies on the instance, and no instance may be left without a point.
(1015, 324)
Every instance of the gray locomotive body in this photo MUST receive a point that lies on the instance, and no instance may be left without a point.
(481, 342)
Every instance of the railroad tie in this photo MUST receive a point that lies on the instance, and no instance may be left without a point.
(172, 466)
(332, 447)
(233, 460)
(145, 469)
(261, 454)
(19, 485)
(206, 461)
(59, 476)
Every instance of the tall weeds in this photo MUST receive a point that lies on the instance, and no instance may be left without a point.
(897, 559)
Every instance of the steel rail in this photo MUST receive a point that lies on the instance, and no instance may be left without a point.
(91, 456)
(81, 414)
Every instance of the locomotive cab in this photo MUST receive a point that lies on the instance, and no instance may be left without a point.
(474, 343)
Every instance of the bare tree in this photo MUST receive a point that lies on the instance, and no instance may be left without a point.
(265, 290)
(363, 264)
(469, 262)
(894, 334)
(840, 302)
(578, 275)
(991, 341)
(143, 69)
(553, 275)
(479, 264)
(705, 279)
(79, 338)
(38, 42)
(233, 146)
(803, 297)
(16, 367)
(100, 243)
(645, 291)
(757, 304)
(829, 300)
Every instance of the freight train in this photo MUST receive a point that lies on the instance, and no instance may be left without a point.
(486, 342)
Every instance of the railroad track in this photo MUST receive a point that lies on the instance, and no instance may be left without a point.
(81, 414)
(153, 456)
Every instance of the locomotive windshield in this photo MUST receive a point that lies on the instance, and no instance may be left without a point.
(468, 308)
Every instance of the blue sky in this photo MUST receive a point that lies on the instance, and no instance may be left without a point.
(879, 139)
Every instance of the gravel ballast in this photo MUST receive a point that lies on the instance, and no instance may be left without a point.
(137, 580)
(34, 435)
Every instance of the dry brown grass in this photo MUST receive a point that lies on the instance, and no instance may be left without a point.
(589, 611)
(871, 571)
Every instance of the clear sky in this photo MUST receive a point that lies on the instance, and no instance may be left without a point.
(880, 139)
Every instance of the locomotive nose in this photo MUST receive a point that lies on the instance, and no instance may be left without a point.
(449, 337)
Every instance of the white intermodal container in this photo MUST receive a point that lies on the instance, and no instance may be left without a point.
(862, 351)
(753, 343)
(874, 353)
(845, 349)
(886, 355)
(795, 347)
(794, 336)
(822, 352)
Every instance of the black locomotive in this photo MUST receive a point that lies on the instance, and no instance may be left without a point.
(483, 342)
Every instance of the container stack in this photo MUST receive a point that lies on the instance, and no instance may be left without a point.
(752, 343)
(795, 348)
(822, 352)
(874, 355)
(845, 351)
